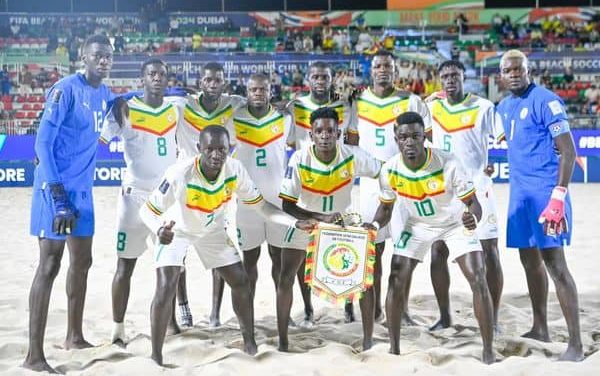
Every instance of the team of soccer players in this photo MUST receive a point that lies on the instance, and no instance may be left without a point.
(189, 157)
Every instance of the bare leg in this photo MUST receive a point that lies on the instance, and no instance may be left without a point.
(400, 272)
(406, 319)
(440, 279)
(80, 255)
(473, 267)
(217, 298)
(367, 310)
(120, 291)
(494, 275)
(173, 328)
(161, 311)
(305, 291)
(185, 313)
(51, 252)
(379, 248)
(537, 283)
(236, 278)
(566, 290)
(275, 254)
(291, 259)
(250, 260)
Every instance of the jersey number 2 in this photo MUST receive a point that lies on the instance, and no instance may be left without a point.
(261, 155)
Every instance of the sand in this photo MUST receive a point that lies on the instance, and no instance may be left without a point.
(329, 348)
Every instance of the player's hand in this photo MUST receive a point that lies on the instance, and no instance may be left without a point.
(553, 217)
(434, 96)
(369, 226)
(307, 224)
(120, 111)
(489, 170)
(165, 233)
(332, 218)
(469, 220)
(65, 214)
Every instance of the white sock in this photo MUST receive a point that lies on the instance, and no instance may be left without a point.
(118, 331)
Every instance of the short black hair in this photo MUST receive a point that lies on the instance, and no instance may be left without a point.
(452, 63)
(213, 66)
(151, 61)
(320, 64)
(409, 117)
(215, 130)
(96, 38)
(324, 113)
(384, 53)
(259, 76)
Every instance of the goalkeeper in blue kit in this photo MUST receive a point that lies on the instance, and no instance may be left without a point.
(62, 207)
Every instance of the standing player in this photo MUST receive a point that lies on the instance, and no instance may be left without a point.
(211, 106)
(375, 111)
(261, 134)
(461, 125)
(149, 136)
(320, 83)
(62, 206)
(541, 156)
(198, 190)
(317, 187)
(430, 185)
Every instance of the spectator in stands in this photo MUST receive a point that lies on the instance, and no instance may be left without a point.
(297, 78)
(52, 42)
(288, 41)
(150, 48)
(5, 81)
(298, 43)
(507, 27)
(307, 44)
(592, 99)
(497, 23)
(26, 77)
(317, 39)
(462, 23)
(174, 27)
(364, 42)
(455, 52)
(54, 76)
(568, 76)
(388, 42)
(546, 79)
(61, 51)
(119, 43)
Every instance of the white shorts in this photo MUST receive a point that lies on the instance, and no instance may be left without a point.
(369, 202)
(487, 228)
(132, 233)
(295, 238)
(253, 230)
(215, 250)
(416, 240)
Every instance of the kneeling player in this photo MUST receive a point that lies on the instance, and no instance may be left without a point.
(199, 188)
(431, 185)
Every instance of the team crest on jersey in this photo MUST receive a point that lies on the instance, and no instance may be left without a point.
(170, 118)
(466, 119)
(344, 174)
(523, 113)
(275, 129)
(397, 110)
(56, 95)
(433, 185)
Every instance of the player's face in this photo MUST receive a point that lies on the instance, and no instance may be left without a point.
(382, 70)
(452, 80)
(514, 74)
(324, 133)
(259, 92)
(98, 59)
(155, 78)
(410, 139)
(319, 80)
(212, 83)
(214, 150)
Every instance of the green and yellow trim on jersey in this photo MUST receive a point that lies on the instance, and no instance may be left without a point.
(144, 118)
(285, 197)
(417, 187)
(201, 120)
(253, 201)
(208, 200)
(383, 113)
(153, 208)
(467, 195)
(327, 182)
(454, 120)
(260, 132)
(304, 106)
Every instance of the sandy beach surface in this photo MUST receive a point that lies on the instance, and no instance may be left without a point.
(329, 348)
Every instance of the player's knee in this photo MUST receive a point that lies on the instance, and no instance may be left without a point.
(478, 281)
(286, 280)
(558, 272)
(49, 268)
(83, 263)
(530, 263)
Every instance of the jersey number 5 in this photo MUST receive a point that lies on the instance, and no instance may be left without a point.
(380, 137)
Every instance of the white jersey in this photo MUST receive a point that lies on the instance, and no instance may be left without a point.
(304, 106)
(261, 147)
(375, 118)
(326, 187)
(149, 141)
(431, 194)
(199, 203)
(196, 118)
(464, 129)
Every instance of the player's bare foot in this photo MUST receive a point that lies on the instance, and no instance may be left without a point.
(349, 313)
(214, 322)
(173, 329)
(367, 344)
(488, 356)
(250, 348)
(441, 324)
(291, 323)
(119, 342)
(539, 335)
(38, 366)
(574, 353)
(309, 319)
(407, 320)
(77, 344)
(283, 346)
(394, 351)
(158, 359)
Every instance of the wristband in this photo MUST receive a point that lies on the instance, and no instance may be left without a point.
(559, 193)
(376, 225)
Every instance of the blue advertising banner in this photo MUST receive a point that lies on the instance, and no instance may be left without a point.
(554, 62)
(212, 20)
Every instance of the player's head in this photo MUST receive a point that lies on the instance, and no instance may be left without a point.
(154, 76)
(324, 129)
(409, 133)
(258, 90)
(97, 56)
(319, 79)
(383, 67)
(213, 145)
(452, 76)
(212, 83)
(514, 71)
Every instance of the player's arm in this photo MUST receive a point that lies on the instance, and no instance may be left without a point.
(351, 136)
(387, 197)
(157, 204)
(465, 191)
(366, 164)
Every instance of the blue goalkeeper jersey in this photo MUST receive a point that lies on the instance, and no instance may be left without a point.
(67, 138)
(531, 121)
